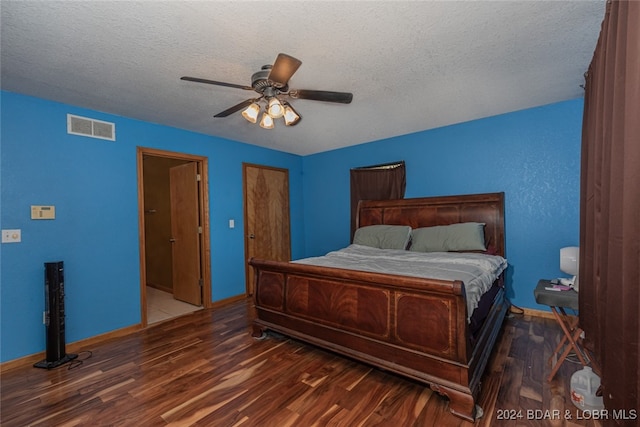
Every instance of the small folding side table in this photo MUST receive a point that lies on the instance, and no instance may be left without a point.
(558, 301)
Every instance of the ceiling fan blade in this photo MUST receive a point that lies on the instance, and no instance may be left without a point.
(322, 95)
(235, 108)
(213, 82)
(282, 70)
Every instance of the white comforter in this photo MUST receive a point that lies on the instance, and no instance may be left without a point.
(477, 271)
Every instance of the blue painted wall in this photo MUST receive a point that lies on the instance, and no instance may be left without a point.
(93, 185)
(532, 155)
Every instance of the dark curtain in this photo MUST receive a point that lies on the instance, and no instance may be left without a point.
(610, 209)
(378, 182)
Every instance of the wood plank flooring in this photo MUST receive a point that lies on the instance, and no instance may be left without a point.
(204, 369)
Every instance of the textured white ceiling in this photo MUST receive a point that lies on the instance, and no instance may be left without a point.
(411, 66)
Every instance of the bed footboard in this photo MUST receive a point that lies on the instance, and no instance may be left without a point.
(407, 325)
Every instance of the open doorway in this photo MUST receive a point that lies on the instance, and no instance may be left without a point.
(174, 234)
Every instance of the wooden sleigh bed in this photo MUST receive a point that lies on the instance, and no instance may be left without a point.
(412, 326)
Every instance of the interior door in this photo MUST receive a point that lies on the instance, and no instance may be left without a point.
(266, 211)
(185, 233)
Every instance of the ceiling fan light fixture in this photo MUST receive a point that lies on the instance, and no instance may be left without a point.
(272, 85)
(266, 122)
(291, 117)
(251, 112)
(275, 108)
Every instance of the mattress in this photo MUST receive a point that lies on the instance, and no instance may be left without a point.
(476, 270)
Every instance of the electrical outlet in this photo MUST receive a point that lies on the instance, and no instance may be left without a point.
(11, 236)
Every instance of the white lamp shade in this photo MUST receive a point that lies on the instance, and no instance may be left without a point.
(275, 109)
(290, 116)
(570, 260)
(251, 113)
(266, 122)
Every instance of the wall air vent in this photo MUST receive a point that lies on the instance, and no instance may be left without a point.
(84, 126)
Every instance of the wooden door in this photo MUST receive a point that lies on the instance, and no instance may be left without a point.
(185, 233)
(266, 212)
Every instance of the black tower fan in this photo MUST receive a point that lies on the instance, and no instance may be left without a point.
(54, 316)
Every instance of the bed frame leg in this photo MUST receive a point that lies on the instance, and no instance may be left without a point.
(460, 404)
(258, 332)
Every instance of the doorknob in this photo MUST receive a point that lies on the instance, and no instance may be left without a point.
(252, 236)
(172, 240)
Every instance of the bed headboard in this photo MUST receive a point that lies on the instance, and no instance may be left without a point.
(443, 210)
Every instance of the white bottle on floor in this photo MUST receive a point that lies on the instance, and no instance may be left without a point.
(584, 385)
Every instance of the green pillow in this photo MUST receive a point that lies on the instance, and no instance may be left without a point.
(466, 236)
(383, 236)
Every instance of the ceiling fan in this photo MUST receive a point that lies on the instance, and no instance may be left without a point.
(272, 85)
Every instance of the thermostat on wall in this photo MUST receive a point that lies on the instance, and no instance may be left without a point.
(43, 212)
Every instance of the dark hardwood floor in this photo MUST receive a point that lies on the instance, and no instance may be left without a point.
(204, 369)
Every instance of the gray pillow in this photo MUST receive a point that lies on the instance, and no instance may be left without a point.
(466, 236)
(383, 236)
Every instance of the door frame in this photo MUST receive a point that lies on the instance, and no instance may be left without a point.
(205, 241)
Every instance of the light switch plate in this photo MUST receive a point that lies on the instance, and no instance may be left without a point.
(11, 236)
